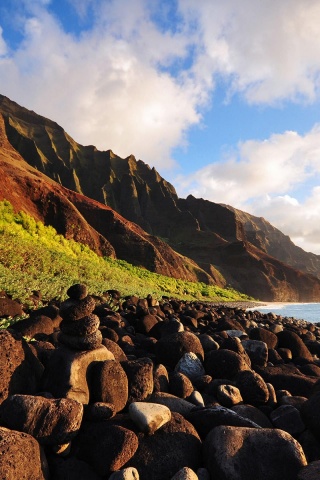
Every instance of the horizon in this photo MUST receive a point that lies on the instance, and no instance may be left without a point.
(223, 100)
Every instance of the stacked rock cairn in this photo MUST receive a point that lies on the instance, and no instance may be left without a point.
(79, 328)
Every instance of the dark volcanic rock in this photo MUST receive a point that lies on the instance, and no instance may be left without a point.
(205, 419)
(34, 325)
(224, 363)
(172, 447)
(140, 379)
(50, 421)
(248, 453)
(20, 370)
(310, 414)
(19, 456)
(106, 447)
(109, 384)
(252, 387)
(170, 349)
(289, 339)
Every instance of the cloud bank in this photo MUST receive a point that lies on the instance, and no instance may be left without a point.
(135, 76)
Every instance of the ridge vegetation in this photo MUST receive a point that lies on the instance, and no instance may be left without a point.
(34, 257)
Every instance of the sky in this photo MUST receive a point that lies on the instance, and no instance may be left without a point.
(221, 97)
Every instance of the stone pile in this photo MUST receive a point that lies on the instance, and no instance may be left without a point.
(79, 328)
(159, 390)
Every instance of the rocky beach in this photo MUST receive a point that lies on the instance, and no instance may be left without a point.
(106, 388)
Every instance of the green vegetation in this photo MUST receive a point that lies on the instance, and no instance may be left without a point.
(35, 257)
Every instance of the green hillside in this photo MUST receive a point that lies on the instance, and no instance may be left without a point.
(35, 257)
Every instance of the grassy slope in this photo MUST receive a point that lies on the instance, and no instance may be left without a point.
(35, 257)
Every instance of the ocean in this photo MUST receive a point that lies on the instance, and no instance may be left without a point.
(305, 311)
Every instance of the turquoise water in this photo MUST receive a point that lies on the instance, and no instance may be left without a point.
(305, 311)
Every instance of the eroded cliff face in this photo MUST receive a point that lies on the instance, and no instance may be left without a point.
(215, 243)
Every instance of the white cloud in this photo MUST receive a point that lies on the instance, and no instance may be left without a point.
(267, 50)
(136, 86)
(109, 87)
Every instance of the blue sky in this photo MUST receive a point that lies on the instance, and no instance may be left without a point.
(221, 97)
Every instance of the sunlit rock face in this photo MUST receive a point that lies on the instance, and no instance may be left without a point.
(123, 208)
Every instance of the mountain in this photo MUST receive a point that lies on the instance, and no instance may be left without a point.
(126, 209)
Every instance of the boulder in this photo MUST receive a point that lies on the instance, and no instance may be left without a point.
(264, 335)
(20, 369)
(310, 472)
(224, 363)
(185, 473)
(114, 348)
(180, 385)
(106, 447)
(50, 421)
(33, 326)
(9, 307)
(190, 365)
(252, 387)
(160, 379)
(125, 474)
(288, 418)
(20, 456)
(257, 351)
(239, 453)
(289, 339)
(175, 404)
(172, 447)
(253, 414)
(228, 395)
(205, 419)
(140, 379)
(109, 384)
(67, 372)
(171, 348)
(310, 414)
(149, 417)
